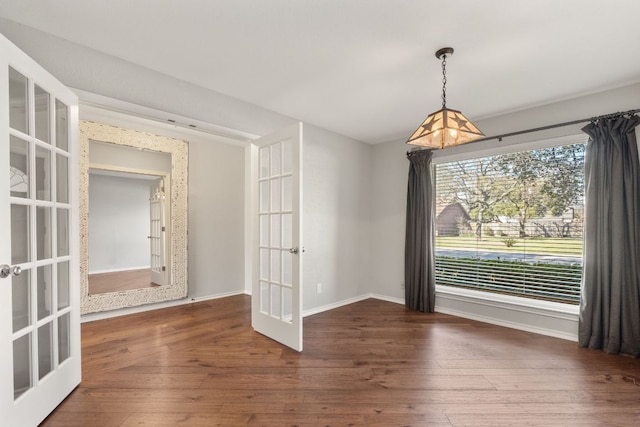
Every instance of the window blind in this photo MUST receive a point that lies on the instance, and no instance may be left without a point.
(513, 223)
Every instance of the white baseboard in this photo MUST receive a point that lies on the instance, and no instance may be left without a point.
(333, 305)
(117, 270)
(388, 299)
(216, 296)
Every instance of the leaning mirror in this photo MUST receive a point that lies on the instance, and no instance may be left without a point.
(133, 217)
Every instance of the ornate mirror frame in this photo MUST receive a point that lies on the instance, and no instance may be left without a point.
(179, 151)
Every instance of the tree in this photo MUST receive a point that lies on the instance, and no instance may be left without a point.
(549, 180)
(474, 185)
(521, 185)
(564, 187)
(524, 201)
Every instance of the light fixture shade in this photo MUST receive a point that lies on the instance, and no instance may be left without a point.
(445, 128)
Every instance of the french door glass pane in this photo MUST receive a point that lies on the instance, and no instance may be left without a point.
(287, 230)
(63, 232)
(264, 196)
(62, 182)
(275, 301)
(22, 365)
(64, 343)
(20, 236)
(43, 173)
(264, 162)
(18, 96)
(19, 167)
(287, 156)
(43, 232)
(62, 131)
(275, 230)
(275, 265)
(264, 297)
(45, 354)
(264, 230)
(44, 291)
(21, 300)
(63, 285)
(275, 195)
(43, 127)
(287, 268)
(287, 304)
(264, 264)
(287, 193)
(275, 159)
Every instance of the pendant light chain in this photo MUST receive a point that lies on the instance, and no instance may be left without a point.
(444, 81)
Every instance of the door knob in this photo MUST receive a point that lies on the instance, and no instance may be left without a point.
(6, 271)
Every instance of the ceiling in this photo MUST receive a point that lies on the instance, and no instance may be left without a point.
(363, 68)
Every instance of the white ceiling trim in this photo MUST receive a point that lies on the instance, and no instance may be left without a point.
(100, 108)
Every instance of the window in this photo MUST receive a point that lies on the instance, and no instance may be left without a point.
(512, 223)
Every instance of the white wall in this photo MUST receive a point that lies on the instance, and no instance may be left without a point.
(337, 195)
(118, 223)
(389, 177)
(216, 218)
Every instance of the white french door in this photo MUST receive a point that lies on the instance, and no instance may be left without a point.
(39, 271)
(158, 232)
(276, 304)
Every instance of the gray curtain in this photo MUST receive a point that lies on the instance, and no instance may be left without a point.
(610, 307)
(419, 260)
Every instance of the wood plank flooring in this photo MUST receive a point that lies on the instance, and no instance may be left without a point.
(120, 281)
(372, 363)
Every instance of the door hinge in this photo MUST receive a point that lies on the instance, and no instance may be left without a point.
(163, 228)
(164, 268)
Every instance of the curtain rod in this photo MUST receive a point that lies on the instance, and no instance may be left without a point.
(558, 125)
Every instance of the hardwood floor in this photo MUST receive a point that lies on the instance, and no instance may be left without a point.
(120, 281)
(372, 363)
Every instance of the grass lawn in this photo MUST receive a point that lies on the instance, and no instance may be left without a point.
(537, 245)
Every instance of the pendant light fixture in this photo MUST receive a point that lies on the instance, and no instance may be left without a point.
(445, 128)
